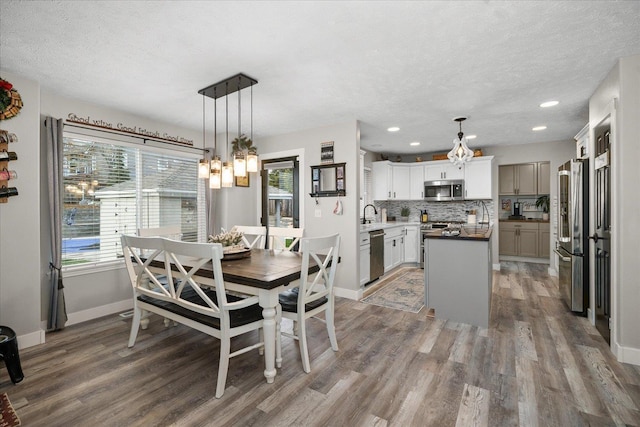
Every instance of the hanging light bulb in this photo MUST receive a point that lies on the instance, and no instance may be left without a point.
(203, 168)
(227, 175)
(252, 154)
(215, 177)
(252, 160)
(239, 164)
(460, 152)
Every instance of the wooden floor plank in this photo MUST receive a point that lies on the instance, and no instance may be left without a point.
(536, 364)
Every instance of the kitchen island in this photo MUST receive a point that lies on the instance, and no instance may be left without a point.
(458, 275)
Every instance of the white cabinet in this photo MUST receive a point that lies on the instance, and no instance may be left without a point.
(417, 182)
(382, 180)
(400, 182)
(411, 243)
(365, 256)
(443, 169)
(477, 178)
(393, 248)
(582, 143)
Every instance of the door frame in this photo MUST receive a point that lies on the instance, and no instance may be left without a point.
(302, 180)
(608, 114)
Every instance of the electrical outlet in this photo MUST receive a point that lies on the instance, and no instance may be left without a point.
(318, 213)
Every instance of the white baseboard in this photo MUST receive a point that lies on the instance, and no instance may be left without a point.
(353, 294)
(524, 259)
(496, 267)
(552, 272)
(31, 339)
(95, 312)
(626, 354)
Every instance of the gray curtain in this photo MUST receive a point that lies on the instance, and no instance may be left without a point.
(57, 310)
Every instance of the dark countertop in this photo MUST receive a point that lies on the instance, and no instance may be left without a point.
(466, 233)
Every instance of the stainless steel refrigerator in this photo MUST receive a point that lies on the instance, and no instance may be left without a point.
(572, 245)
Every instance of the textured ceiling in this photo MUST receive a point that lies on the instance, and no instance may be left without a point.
(415, 65)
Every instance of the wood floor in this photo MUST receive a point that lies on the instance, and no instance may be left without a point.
(537, 365)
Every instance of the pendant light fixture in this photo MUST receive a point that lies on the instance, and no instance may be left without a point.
(227, 167)
(460, 152)
(252, 153)
(236, 160)
(203, 166)
(215, 175)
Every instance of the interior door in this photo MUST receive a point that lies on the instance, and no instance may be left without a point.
(602, 236)
(280, 193)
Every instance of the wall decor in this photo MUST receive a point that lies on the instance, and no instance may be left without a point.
(326, 152)
(10, 100)
(242, 181)
(7, 176)
(328, 180)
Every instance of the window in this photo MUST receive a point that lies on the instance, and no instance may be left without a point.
(113, 188)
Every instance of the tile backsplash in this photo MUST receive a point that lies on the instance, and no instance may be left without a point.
(438, 211)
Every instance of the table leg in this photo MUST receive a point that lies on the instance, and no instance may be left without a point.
(268, 300)
(269, 315)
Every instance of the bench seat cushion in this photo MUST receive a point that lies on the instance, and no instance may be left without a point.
(238, 317)
(289, 301)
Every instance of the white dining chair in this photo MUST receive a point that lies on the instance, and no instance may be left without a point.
(253, 236)
(284, 238)
(173, 232)
(314, 294)
(206, 308)
(170, 232)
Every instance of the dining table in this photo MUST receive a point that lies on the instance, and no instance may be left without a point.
(265, 273)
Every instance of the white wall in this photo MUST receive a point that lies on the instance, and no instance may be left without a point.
(556, 153)
(20, 258)
(346, 149)
(623, 83)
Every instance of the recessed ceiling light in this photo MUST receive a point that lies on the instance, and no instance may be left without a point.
(549, 104)
(537, 128)
(414, 143)
(471, 136)
(393, 129)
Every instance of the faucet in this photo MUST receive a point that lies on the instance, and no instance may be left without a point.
(364, 213)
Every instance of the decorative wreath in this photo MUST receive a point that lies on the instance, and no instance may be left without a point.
(10, 101)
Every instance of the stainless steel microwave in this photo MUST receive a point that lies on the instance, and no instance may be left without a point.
(444, 191)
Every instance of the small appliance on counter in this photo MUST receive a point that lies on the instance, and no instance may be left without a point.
(516, 212)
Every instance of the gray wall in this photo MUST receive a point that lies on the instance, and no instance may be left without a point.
(346, 149)
(20, 257)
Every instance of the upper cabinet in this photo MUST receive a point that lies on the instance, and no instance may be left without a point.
(582, 143)
(544, 178)
(477, 178)
(405, 181)
(442, 169)
(382, 180)
(524, 179)
(518, 179)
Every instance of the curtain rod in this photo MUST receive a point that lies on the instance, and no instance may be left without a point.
(130, 135)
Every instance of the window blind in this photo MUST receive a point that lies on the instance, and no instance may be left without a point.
(113, 188)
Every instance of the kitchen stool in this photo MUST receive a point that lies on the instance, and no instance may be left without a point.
(9, 353)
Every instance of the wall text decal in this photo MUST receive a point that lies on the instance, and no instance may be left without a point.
(120, 127)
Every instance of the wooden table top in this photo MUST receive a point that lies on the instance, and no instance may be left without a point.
(266, 268)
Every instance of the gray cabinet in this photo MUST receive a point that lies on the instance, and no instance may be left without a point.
(524, 239)
(520, 179)
(544, 177)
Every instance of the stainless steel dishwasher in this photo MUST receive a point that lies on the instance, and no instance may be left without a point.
(376, 259)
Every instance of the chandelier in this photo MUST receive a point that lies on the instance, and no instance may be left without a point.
(460, 152)
(244, 157)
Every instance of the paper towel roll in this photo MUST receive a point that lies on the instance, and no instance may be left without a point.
(471, 219)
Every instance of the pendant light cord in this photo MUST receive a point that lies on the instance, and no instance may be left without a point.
(226, 99)
(215, 123)
(239, 108)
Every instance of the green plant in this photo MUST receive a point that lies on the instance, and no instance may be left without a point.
(404, 211)
(242, 143)
(543, 202)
